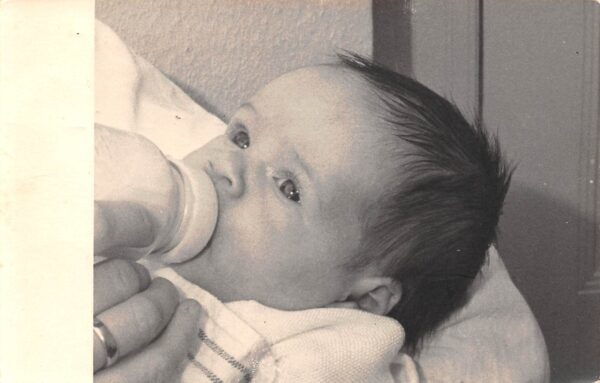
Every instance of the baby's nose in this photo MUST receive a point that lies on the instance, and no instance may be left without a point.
(225, 165)
(227, 174)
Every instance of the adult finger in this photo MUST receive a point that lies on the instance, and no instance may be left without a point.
(121, 226)
(115, 280)
(161, 359)
(137, 321)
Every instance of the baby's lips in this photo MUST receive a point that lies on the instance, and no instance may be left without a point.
(199, 216)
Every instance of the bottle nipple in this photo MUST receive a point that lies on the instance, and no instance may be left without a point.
(198, 213)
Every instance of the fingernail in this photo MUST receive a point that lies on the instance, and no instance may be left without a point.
(192, 307)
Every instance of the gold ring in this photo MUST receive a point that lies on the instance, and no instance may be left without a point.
(108, 342)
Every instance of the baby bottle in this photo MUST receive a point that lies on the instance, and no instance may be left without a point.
(146, 203)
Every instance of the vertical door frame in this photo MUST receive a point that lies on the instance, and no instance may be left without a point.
(456, 71)
(589, 166)
(437, 42)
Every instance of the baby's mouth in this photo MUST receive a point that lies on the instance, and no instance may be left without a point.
(207, 248)
(206, 251)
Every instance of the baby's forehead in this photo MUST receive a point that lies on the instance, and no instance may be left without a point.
(331, 77)
(323, 91)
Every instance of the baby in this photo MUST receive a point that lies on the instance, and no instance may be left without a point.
(340, 186)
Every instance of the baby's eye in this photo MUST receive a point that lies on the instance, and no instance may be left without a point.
(289, 190)
(241, 139)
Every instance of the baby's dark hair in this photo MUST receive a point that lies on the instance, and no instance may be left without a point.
(439, 214)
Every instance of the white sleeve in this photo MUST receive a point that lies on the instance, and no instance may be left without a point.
(133, 95)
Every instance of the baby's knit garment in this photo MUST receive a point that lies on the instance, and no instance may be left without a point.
(246, 341)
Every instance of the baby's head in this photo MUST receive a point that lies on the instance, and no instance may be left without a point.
(350, 185)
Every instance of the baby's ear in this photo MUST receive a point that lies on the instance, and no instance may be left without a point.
(377, 295)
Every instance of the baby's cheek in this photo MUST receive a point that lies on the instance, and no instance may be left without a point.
(340, 236)
(256, 228)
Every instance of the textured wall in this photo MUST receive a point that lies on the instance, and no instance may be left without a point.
(222, 51)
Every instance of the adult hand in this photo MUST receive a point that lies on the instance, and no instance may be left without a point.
(136, 310)
(120, 228)
(134, 193)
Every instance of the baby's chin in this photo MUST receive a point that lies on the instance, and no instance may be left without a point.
(192, 268)
(186, 269)
(230, 285)
(201, 272)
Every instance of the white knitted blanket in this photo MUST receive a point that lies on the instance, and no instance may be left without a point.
(246, 341)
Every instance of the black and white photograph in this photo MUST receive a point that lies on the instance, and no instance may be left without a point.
(300, 191)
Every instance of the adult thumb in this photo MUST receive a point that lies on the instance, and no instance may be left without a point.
(122, 229)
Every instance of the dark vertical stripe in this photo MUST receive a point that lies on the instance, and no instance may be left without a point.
(223, 354)
(392, 34)
(480, 83)
(209, 374)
